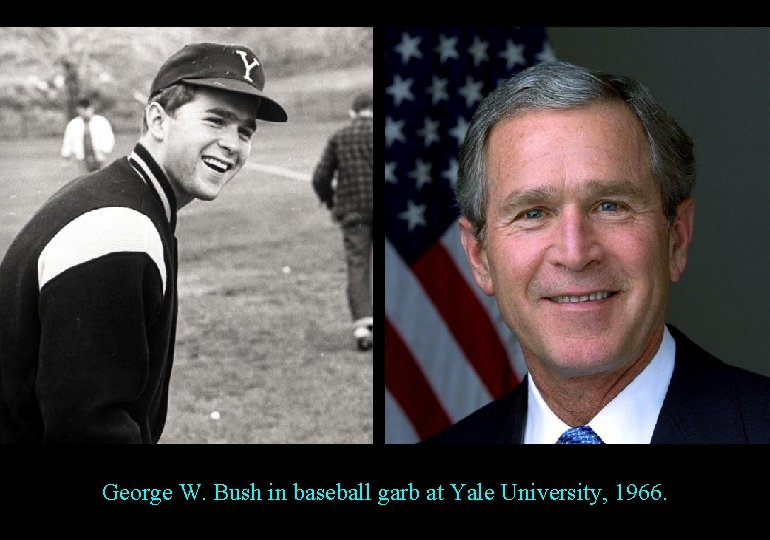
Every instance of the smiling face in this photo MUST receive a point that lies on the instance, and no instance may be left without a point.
(578, 251)
(204, 143)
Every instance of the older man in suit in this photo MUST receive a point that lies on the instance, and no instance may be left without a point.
(575, 188)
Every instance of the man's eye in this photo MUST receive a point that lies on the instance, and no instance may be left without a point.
(609, 206)
(216, 121)
(534, 213)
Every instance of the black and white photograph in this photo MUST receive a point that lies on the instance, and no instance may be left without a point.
(186, 235)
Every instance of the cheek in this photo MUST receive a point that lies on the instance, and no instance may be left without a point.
(179, 150)
(514, 261)
(643, 253)
(245, 153)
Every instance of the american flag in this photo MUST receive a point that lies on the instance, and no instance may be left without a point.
(447, 349)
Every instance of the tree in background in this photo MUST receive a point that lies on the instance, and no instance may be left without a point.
(44, 70)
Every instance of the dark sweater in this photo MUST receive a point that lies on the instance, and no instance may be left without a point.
(88, 311)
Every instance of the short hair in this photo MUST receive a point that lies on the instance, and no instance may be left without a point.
(170, 99)
(83, 103)
(560, 85)
(362, 102)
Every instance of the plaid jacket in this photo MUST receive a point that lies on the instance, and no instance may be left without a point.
(348, 153)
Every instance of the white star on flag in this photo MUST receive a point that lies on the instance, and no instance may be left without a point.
(390, 172)
(400, 90)
(513, 54)
(421, 173)
(471, 91)
(546, 55)
(414, 215)
(479, 51)
(408, 48)
(393, 131)
(437, 90)
(447, 48)
(458, 132)
(429, 131)
(451, 173)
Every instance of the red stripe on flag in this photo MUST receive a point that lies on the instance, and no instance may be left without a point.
(466, 318)
(409, 387)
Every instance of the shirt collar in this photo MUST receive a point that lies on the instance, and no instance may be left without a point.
(629, 418)
(151, 173)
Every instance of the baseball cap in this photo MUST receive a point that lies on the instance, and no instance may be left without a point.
(234, 68)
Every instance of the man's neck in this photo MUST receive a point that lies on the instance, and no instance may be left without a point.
(576, 400)
(182, 198)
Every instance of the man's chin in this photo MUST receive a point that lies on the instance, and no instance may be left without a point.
(208, 194)
(575, 368)
(583, 361)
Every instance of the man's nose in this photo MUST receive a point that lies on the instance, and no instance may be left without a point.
(229, 138)
(576, 242)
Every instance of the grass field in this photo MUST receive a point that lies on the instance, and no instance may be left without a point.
(264, 333)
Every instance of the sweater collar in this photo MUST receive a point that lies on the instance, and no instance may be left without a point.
(144, 164)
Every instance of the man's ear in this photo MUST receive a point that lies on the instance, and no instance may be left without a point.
(157, 120)
(477, 256)
(680, 238)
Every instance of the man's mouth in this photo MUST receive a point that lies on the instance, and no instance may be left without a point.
(217, 164)
(576, 299)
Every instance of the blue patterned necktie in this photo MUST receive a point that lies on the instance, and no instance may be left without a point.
(580, 435)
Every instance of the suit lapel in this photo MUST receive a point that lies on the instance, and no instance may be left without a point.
(697, 400)
(520, 397)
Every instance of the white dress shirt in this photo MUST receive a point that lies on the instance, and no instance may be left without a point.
(630, 418)
(102, 138)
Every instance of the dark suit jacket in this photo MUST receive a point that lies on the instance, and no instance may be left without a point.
(708, 402)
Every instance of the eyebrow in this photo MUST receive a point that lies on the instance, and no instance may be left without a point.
(528, 197)
(592, 189)
(232, 117)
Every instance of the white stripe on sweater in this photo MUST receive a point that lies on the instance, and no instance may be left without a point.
(97, 233)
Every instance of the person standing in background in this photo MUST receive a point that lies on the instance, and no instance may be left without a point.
(348, 155)
(88, 138)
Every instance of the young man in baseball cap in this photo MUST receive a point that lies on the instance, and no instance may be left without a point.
(88, 287)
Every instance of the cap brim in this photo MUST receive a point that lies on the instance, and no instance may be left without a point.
(268, 110)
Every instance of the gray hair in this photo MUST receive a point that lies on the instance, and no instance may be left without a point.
(560, 85)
